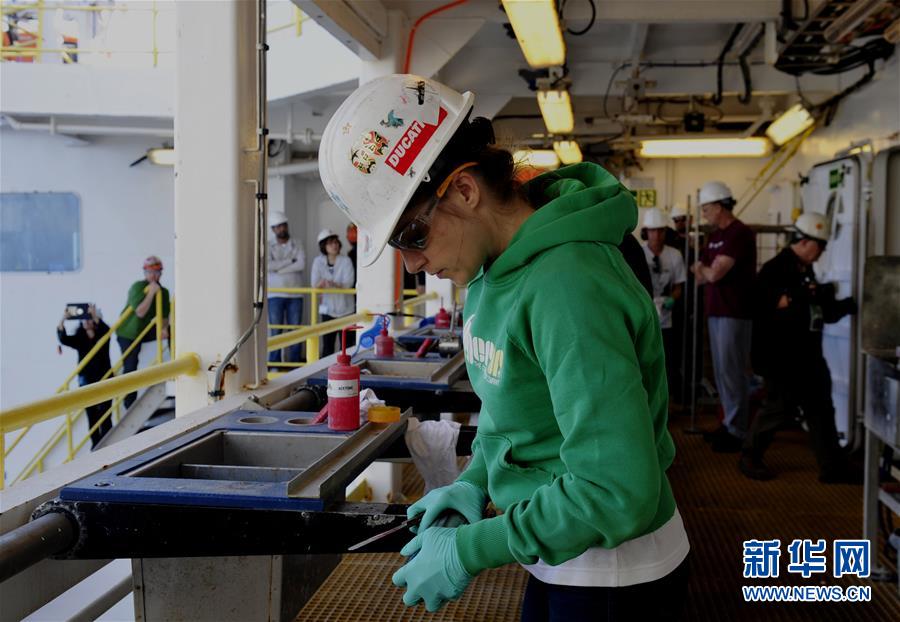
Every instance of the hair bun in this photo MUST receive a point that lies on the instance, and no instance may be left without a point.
(481, 133)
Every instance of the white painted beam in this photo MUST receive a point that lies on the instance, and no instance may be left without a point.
(361, 25)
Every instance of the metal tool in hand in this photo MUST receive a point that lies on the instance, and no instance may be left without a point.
(450, 343)
(415, 520)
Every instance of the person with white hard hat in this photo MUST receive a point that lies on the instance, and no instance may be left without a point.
(331, 270)
(562, 346)
(286, 263)
(668, 274)
(680, 219)
(787, 351)
(727, 267)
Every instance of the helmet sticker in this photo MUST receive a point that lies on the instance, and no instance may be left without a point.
(412, 142)
(346, 128)
(370, 144)
(392, 120)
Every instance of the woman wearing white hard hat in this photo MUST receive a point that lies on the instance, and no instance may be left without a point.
(562, 346)
(331, 270)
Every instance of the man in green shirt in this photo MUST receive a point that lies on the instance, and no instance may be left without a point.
(142, 299)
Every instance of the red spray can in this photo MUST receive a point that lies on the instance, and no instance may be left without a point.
(442, 319)
(384, 343)
(343, 390)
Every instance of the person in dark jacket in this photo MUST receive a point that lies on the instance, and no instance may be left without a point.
(791, 308)
(89, 332)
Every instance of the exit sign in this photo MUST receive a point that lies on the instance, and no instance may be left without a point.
(646, 197)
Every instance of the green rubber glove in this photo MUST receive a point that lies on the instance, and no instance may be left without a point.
(467, 499)
(668, 302)
(434, 572)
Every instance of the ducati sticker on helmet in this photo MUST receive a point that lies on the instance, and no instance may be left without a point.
(363, 154)
(392, 120)
(410, 145)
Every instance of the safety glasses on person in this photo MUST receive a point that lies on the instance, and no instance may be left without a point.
(412, 233)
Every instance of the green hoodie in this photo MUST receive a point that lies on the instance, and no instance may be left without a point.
(564, 349)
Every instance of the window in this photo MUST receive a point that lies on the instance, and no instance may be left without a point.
(40, 232)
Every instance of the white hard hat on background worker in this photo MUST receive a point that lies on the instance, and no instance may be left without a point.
(381, 144)
(714, 192)
(277, 217)
(654, 218)
(678, 212)
(813, 225)
(324, 234)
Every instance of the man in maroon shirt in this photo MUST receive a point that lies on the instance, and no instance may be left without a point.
(727, 267)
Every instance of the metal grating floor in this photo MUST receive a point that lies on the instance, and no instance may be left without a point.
(721, 509)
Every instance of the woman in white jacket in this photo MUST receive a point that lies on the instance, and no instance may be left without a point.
(333, 270)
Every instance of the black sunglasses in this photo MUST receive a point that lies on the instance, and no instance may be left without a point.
(414, 235)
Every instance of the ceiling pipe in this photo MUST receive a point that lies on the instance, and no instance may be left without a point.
(295, 168)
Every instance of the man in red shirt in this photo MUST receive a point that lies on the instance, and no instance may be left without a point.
(727, 267)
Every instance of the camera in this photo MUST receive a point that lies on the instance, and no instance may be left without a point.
(77, 311)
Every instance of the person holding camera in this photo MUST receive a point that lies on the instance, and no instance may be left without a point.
(791, 309)
(91, 329)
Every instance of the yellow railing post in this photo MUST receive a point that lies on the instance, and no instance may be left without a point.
(2, 460)
(155, 49)
(159, 326)
(298, 16)
(171, 328)
(69, 433)
(312, 344)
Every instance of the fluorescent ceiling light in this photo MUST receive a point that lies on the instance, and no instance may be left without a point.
(556, 108)
(705, 148)
(536, 25)
(568, 151)
(794, 120)
(162, 157)
(537, 158)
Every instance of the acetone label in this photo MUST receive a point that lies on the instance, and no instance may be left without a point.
(343, 388)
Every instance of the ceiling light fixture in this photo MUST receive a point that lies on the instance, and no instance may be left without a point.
(556, 108)
(705, 148)
(793, 121)
(568, 151)
(163, 157)
(537, 29)
(536, 158)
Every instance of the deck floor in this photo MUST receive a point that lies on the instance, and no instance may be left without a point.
(720, 508)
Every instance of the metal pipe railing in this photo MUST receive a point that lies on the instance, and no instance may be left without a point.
(41, 410)
(302, 334)
(36, 540)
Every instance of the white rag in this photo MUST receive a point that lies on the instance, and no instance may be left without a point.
(432, 445)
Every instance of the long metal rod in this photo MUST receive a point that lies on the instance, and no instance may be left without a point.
(27, 545)
(260, 183)
(695, 324)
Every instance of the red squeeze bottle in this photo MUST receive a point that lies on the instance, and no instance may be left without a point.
(343, 390)
(442, 319)
(384, 344)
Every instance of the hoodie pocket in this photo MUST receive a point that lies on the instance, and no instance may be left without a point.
(508, 482)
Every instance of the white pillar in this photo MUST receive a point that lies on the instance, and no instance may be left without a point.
(215, 139)
(375, 284)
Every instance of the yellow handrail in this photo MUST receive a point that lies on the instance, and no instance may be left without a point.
(301, 334)
(90, 394)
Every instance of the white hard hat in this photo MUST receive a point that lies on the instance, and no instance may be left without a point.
(277, 217)
(678, 211)
(379, 146)
(655, 219)
(324, 234)
(714, 191)
(814, 225)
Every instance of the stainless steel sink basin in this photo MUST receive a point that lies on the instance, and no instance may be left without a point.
(443, 371)
(242, 456)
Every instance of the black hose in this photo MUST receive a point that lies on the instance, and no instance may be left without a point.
(717, 98)
(745, 68)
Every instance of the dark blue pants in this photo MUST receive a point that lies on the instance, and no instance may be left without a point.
(131, 361)
(658, 600)
(285, 311)
(94, 413)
